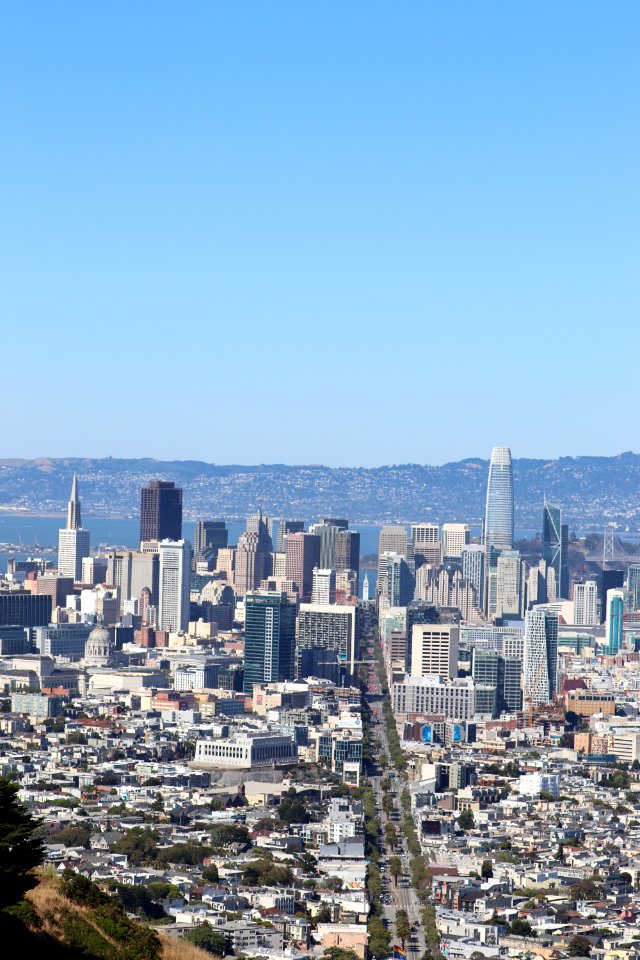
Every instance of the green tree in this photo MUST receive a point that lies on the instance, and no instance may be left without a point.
(207, 939)
(521, 928)
(395, 869)
(466, 820)
(20, 849)
(387, 804)
(139, 845)
(403, 926)
(579, 947)
(210, 874)
(487, 870)
(585, 890)
(379, 937)
(390, 833)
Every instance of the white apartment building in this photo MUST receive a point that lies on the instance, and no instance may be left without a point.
(434, 650)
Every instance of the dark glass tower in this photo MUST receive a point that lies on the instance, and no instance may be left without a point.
(161, 511)
(269, 639)
(555, 547)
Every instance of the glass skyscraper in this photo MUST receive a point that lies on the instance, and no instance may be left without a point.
(555, 546)
(498, 520)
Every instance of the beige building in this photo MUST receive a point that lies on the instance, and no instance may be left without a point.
(434, 650)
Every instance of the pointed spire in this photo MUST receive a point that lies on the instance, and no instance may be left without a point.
(74, 521)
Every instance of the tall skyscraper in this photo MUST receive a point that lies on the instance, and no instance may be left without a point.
(302, 557)
(74, 542)
(328, 531)
(249, 563)
(346, 550)
(286, 527)
(270, 638)
(614, 621)
(498, 521)
(455, 537)
(400, 580)
(160, 511)
(555, 546)
(209, 537)
(540, 655)
(510, 584)
(632, 597)
(585, 603)
(324, 586)
(331, 627)
(425, 538)
(175, 575)
(473, 569)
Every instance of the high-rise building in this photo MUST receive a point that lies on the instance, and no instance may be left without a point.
(19, 608)
(262, 526)
(446, 587)
(346, 550)
(160, 511)
(614, 621)
(175, 573)
(510, 584)
(473, 569)
(270, 638)
(400, 580)
(434, 650)
(208, 538)
(632, 596)
(249, 560)
(331, 626)
(555, 547)
(491, 668)
(426, 545)
(74, 542)
(455, 537)
(498, 520)
(324, 586)
(540, 655)
(328, 531)
(133, 570)
(609, 580)
(286, 527)
(585, 603)
(303, 556)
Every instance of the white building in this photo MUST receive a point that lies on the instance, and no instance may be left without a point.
(434, 650)
(74, 542)
(243, 751)
(324, 586)
(585, 603)
(453, 699)
(540, 655)
(175, 568)
(455, 536)
(533, 784)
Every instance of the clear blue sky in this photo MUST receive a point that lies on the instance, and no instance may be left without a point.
(337, 232)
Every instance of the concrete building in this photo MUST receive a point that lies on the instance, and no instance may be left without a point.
(246, 751)
(332, 627)
(302, 558)
(174, 573)
(324, 586)
(540, 656)
(455, 537)
(433, 695)
(434, 650)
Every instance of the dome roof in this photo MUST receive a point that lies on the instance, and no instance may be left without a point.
(99, 634)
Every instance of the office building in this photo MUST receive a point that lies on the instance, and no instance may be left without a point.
(160, 511)
(434, 650)
(632, 596)
(270, 638)
(324, 586)
(510, 584)
(346, 551)
(62, 640)
(209, 537)
(73, 541)
(249, 563)
(609, 580)
(431, 696)
(346, 586)
(286, 527)
(555, 547)
(446, 587)
(174, 576)
(614, 621)
(94, 570)
(455, 537)
(498, 520)
(328, 531)
(302, 557)
(245, 751)
(400, 581)
(490, 668)
(14, 641)
(540, 666)
(585, 603)
(19, 608)
(425, 541)
(133, 570)
(332, 626)
(472, 568)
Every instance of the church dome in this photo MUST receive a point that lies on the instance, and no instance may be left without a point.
(99, 646)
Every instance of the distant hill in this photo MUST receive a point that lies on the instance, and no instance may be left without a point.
(592, 490)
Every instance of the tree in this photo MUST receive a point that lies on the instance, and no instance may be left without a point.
(466, 820)
(487, 870)
(390, 833)
(403, 926)
(585, 890)
(521, 928)
(207, 939)
(210, 874)
(20, 849)
(387, 804)
(292, 810)
(579, 947)
(379, 937)
(138, 845)
(395, 869)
